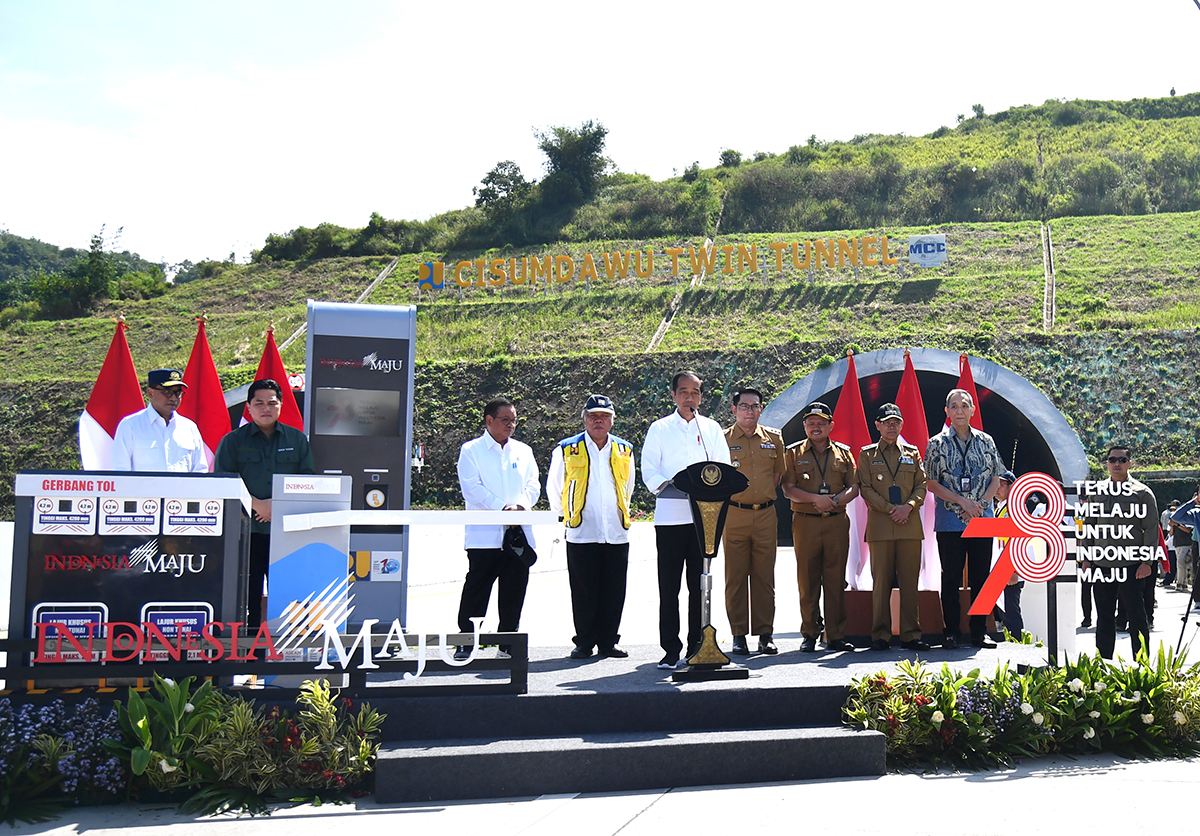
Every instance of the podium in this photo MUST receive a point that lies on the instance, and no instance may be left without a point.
(708, 486)
(116, 556)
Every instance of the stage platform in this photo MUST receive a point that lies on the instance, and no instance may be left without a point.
(602, 725)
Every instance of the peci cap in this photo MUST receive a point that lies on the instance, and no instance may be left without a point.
(819, 409)
(888, 410)
(165, 378)
(599, 403)
(1008, 476)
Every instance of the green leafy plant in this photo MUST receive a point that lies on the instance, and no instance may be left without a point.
(160, 734)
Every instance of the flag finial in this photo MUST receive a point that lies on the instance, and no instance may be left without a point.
(202, 318)
(270, 326)
(849, 352)
(907, 352)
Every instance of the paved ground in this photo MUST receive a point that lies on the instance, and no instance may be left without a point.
(1087, 796)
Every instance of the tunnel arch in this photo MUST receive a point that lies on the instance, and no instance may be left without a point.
(1030, 433)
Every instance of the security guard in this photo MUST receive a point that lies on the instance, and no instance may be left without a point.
(751, 527)
(820, 478)
(892, 480)
(256, 452)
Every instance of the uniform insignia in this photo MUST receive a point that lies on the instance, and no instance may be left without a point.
(804, 475)
(739, 447)
(737, 463)
(879, 476)
(767, 446)
(906, 460)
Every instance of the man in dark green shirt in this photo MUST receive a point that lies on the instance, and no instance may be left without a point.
(256, 452)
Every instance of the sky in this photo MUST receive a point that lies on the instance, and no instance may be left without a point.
(197, 129)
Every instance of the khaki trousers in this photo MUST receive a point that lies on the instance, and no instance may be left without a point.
(899, 560)
(821, 544)
(751, 538)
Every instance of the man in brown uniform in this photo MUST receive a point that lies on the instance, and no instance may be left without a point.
(892, 481)
(751, 527)
(820, 478)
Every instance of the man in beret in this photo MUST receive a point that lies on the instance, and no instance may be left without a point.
(892, 481)
(158, 439)
(820, 478)
(589, 484)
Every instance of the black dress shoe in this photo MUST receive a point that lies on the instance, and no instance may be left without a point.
(809, 645)
(740, 647)
(950, 643)
(984, 643)
(614, 652)
(915, 644)
(881, 644)
(766, 644)
(839, 645)
(1087, 622)
(581, 652)
(692, 650)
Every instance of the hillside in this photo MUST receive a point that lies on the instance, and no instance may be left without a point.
(1119, 362)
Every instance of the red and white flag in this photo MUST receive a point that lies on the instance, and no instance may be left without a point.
(204, 402)
(916, 433)
(966, 382)
(117, 393)
(271, 366)
(850, 428)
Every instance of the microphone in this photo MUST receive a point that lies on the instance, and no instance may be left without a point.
(700, 434)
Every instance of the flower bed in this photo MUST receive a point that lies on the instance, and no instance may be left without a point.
(967, 721)
(214, 751)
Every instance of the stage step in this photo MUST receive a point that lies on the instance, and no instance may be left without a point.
(444, 770)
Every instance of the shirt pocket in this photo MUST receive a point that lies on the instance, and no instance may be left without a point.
(248, 456)
(287, 456)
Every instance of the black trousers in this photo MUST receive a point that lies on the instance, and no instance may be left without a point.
(955, 552)
(486, 567)
(1130, 593)
(597, 573)
(1085, 599)
(260, 559)
(679, 556)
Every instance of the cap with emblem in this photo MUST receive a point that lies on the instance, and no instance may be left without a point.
(1008, 476)
(165, 378)
(819, 409)
(888, 410)
(599, 403)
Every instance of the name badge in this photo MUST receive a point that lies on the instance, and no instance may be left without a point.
(894, 494)
(964, 484)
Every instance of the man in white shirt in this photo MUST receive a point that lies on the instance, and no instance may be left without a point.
(672, 443)
(496, 472)
(157, 439)
(589, 485)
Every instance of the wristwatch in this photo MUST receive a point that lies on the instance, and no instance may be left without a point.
(836, 503)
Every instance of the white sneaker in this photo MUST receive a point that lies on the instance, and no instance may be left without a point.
(503, 654)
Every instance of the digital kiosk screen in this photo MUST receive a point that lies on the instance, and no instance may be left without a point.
(356, 412)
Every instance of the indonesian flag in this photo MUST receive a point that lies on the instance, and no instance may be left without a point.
(966, 382)
(204, 402)
(271, 366)
(916, 433)
(850, 428)
(117, 393)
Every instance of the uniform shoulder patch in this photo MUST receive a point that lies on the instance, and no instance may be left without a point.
(844, 447)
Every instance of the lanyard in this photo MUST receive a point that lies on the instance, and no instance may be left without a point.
(892, 473)
(963, 451)
(821, 467)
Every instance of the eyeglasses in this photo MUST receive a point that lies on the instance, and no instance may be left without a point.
(174, 392)
(1118, 459)
(504, 420)
(749, 407)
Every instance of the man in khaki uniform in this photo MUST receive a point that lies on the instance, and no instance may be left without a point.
(892, 481)
(751, 527)
(820, 478)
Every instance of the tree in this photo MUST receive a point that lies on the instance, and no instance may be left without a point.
(731, 158)
(977, 109)
(502, 191)
(575, 162)
(72, 292)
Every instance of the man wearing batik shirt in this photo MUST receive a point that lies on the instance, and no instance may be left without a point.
(964, 467)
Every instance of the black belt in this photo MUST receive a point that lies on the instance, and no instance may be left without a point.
(826, 514)
(757, 507)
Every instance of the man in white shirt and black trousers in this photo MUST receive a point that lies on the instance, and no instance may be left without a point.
(496, 472)
(672, 443)
(159, 439)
